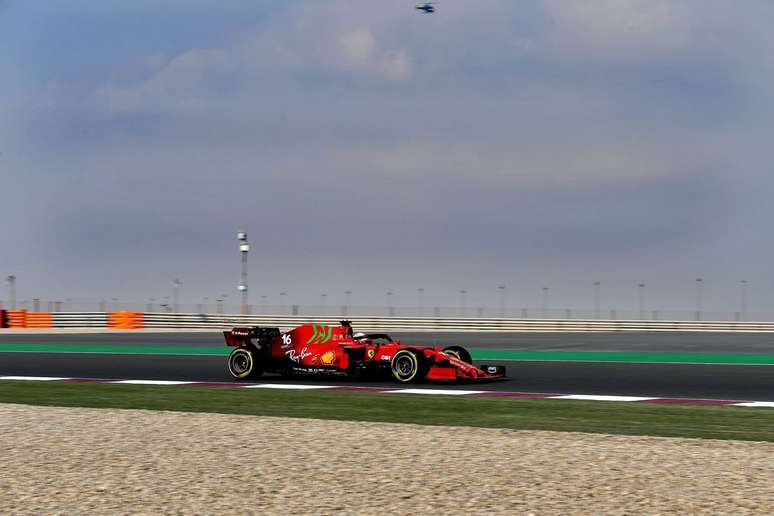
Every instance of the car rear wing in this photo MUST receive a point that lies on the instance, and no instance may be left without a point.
(237, 337)
(242, 337)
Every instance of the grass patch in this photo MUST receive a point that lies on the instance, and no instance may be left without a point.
(516, 413)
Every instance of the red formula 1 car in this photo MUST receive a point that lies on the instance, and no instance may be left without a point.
(335, 350)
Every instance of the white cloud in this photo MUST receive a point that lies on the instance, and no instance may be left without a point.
(358, 45)
(636, 30)
(615, 22)
(302, 43)
(179, 85)
(402, 122)
(360, 52)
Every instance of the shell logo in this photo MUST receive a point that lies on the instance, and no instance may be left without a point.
(328, 357)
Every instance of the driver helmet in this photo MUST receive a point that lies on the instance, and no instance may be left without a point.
(348, 326)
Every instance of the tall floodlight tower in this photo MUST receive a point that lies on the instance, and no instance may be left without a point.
(244, 247)
(699, 297)
(347, 302)
(11, 281)
(176, 291)
(463, 303)
(284, 297)
(596, 299)
(501, 288)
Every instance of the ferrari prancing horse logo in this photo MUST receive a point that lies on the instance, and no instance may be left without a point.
(371, 353)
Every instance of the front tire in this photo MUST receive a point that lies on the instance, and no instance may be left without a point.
(406, 366)
(242, 364)
(460, 353)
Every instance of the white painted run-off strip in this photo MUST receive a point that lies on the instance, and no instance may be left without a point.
(33, 378)
(288, 386)
(592, 397)
(453, 392)
(153, 382)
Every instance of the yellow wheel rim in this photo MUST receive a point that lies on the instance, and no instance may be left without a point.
(405, 366)
(240, 363)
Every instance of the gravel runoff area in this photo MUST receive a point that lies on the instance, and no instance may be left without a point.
(99, 461)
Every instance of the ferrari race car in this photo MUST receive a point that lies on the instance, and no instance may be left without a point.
(319, 350)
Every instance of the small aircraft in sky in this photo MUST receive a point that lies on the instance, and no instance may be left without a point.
(427, 8)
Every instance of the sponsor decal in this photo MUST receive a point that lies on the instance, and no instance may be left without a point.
(320, 335)
(297, 356)
(328, 357)
(318, 370)
(491, 369)
(385, 357)
(370, 353)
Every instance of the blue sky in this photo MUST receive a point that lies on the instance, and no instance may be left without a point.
(365, 146)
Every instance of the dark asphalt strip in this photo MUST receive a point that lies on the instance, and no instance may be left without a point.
(671, 342)
(657, 380)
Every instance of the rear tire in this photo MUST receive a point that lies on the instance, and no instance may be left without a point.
(407, 366)
(459, 352)
(243, 364)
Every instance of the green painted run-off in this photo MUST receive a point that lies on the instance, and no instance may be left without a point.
(478, 354)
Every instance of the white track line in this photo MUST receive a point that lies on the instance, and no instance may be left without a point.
(452, 392)
(288, 386)
(33, 378)
(767, 404)
(592, 397)
(152, 382)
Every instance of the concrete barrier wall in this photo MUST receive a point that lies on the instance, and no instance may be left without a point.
(81, 320)
(168, 321)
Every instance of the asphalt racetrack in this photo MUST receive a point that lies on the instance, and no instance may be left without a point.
(628, 377)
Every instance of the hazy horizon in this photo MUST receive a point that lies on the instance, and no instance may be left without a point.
(367, 147)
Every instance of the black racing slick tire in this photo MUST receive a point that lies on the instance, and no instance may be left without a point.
(459, 352)
(407, 366)
(243, 364)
